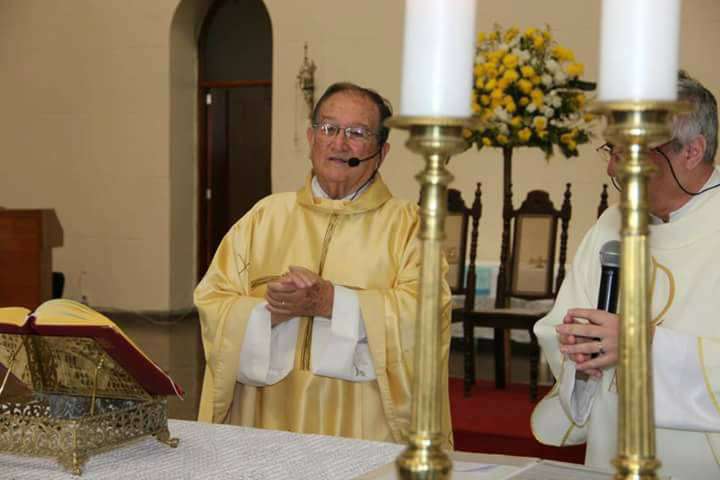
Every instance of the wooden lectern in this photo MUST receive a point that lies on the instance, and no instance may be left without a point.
(26, 241)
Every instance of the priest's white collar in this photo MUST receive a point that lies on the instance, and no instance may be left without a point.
(320, 193)
(694, 202)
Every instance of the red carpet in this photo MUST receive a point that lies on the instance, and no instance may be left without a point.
(498, 421)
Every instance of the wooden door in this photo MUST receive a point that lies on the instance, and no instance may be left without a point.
(238, 157)
(235, 68)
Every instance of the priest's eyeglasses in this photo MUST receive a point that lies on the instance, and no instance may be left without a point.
(356, 135)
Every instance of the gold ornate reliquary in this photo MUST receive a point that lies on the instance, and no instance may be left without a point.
(73, 385)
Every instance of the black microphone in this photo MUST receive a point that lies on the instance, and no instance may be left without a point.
(354, 161)
(609, 279)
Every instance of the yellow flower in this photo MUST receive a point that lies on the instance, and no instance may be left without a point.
(524, 101)
(511, 75)
(538, 41)
(580, 99)
(497, 93)
(490, 85)
(572, 145)
(481, 37)
(566, 138)
(511, 107)
(536, 80)
(494, 36)
(527, 71)
(485, 99)
(479, 69)
(495, 56)
(486, 141)
(510, 34)
(524, 134)
(542, 135)
(467, 133)
(530, 31)
(525, 85)
(496, 102)
(490, 70)
(562, 53)
(503, 83)
(510, 60)
(487, 115)
(502, 139)
(516, 122)
(575, 69)
(478, 82)
(476, 108)
(537, 97)
(540, 123)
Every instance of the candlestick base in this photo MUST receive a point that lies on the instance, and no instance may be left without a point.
(423, 459)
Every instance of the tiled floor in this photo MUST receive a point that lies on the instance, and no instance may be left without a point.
(174, 344)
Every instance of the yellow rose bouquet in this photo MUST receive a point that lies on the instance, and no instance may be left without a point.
(528, 92)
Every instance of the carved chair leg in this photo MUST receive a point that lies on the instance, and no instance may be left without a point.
(534, 365)
(507, 358)
(469, 355)
(499, 350)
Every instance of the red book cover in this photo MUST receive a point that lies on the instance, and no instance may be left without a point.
(66, 318)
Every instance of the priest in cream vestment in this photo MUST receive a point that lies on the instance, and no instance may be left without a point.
(685, 311)
(308, 309)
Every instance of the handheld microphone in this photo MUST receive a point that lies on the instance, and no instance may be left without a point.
(354, 161)
(609, 278)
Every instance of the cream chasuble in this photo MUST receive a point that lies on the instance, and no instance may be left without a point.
(369, 245)
(685, 307)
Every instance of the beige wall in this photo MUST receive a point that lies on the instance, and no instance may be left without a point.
(98, 121)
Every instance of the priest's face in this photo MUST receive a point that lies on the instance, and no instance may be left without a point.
(663, 192)
(346, 127)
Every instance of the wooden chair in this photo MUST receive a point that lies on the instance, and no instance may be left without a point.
(526, 272)
(455, 244)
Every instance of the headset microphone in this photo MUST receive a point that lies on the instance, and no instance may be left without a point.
(354, 161)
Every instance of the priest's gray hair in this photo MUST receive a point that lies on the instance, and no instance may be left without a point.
(703, 120)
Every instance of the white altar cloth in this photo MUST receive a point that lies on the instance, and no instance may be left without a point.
(218, 452)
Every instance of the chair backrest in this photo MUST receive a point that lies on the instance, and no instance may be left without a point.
(526, 268)
(455, 244)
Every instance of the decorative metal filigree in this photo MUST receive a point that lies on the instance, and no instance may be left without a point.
(81, 401)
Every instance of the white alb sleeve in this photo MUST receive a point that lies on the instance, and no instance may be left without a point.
(339, 344)
(682, 398)
(267, 354)
(577, 392)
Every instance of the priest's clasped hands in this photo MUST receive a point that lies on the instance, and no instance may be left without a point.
(590, 339)
(299, 293)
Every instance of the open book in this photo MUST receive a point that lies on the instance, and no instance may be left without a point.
(89, 336)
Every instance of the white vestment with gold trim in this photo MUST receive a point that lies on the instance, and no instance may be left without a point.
(685, 286)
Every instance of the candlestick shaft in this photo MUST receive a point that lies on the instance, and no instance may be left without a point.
(424, 458)
(635, 127)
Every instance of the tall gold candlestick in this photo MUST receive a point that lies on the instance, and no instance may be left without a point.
(635, 127)
(436, 139)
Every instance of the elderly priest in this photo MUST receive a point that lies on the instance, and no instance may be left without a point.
(308, 308)
(581, 342)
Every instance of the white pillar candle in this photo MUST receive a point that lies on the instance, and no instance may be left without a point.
(438, 57)
(639, 50)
